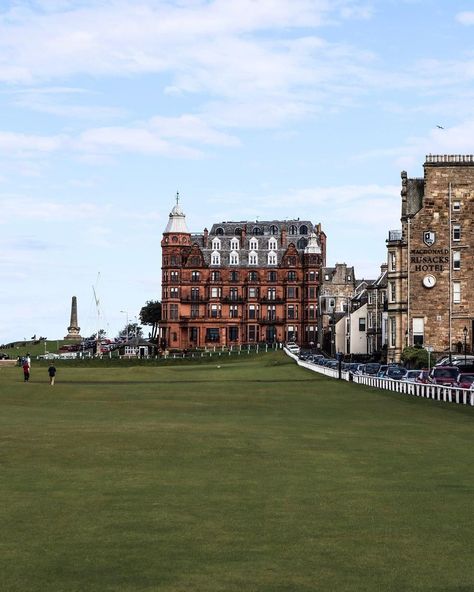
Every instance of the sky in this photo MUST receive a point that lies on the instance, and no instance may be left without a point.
(251, 109)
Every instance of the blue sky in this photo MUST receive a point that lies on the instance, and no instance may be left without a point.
(250, 108)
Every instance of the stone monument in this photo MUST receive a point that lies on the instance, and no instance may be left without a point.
(73, 329)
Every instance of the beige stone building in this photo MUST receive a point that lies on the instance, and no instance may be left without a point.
(430, 276)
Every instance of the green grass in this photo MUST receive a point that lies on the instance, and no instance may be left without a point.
(255, 476)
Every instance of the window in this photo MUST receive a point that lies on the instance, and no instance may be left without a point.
(392, 291)
(456, 232)
(215, 292)
(193, 333)
(238, 231)
(273, 229)
(253, 292)
(194, 311)
(302, 243)
(291, 261)
(362, 324)
(303, 229)
(418, 330)
(292, 230)
(272, 244)
(175, 260)
(233, 311)
(456, 259)
(234, 244)
(174, 277)
(326, 277)
(393, 331)
(292, 276)
(272, 276)
(215, 276)
(257, 231)
(456, 206)
(253, 244)
(271, 312)
(292, 311)
(456, 292)
(212, 335)
(253, 258)
(291, 292)
(369, 297)
(219, 231)
(393, 261)
(349, 278)
(195, 294)
(174, 292)
(233, 333)
(214, 311)
(195, 276)
(253, 276)
(271, 293)
(234, 276)
(311, 311)
(252, 312)
(312, 276)
(233, 293)
(173, 311)
(216, 244)
(311, 293)
(370, 322)
(234, 258)
(215, 258)
(252, 333)
(272, 258)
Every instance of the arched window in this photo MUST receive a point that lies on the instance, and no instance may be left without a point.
(273, 229)
(257, 231)
(292, 229)
(234, 258)
(216, 244)
(272, 258)
(219, 231)
(303, 229)
(238, 231)
(234, 244)
(253, 258)
(253, 244)
(272, 244)
(215, 258)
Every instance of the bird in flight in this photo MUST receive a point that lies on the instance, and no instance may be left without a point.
(440, 127)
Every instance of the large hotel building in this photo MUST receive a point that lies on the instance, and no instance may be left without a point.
(240, 282)
(430, 277)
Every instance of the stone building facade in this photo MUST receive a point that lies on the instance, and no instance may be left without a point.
(430, 276)
(240, 283)
(377, 316)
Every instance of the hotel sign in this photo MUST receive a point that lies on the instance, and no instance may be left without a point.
(429, 259)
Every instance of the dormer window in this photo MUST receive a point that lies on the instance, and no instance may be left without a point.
(303, 229)
(272, 244)
(253, 258)
(215, 258)
(253, 245)
(234, 244)
(234, 258)
(272, 258)
(216, 244)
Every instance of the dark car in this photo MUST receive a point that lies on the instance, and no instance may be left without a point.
(444, 375)
(4, 356)
(382, 371)
(465, 380)
(371, 368)
(395, 372)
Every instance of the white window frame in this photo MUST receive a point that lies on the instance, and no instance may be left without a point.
(234, 244)
(234, 258)
(215, 258)
(253, 244)
(456, 292)
(456, 233)
(456, 206)
(456, 260)
(272, 244)
(272, 258)
(216, 244)
(253, 258)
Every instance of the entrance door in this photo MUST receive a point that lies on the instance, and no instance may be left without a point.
(271, 334)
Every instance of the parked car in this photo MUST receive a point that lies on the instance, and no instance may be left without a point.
(465, 380)
(455, 359)
(292, 347)
(4, 356)
(411, 376)
(382, 371)
(395, 372)
(445, 375)
(371, 368)
(423, 376)
(48, 356)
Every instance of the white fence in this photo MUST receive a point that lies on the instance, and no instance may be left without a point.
(428, 391)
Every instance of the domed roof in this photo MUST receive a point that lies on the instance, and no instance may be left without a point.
(177, 221)
(313, 245)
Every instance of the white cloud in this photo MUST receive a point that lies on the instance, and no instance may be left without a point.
(465, 18)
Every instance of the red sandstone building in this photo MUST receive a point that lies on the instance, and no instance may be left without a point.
(240, 282)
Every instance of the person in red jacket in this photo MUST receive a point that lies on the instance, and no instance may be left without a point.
(26, 370)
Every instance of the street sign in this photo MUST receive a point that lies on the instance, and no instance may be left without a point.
(429, 348)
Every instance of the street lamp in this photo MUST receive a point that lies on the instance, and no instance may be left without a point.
(126, 328)
(465, 338)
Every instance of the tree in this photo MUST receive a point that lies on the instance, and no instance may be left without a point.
(102, 334)
(416, 357)
(150, 314)
(131, 331)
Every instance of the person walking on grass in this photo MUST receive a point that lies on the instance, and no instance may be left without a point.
(26, 370)
(52, 374)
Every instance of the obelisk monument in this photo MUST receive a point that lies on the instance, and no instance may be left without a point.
(73, 329)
